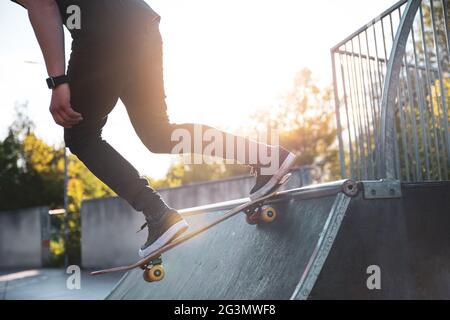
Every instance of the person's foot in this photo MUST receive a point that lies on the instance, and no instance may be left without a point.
(163, 231)
(266, 183)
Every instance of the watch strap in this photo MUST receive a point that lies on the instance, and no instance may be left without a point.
(53, 82)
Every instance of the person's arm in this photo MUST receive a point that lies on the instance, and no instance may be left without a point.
(46, 21)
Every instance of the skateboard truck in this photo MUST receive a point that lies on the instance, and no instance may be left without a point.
(259, 212)
(154, 270)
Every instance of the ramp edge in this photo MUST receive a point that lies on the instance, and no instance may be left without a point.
(322, 249)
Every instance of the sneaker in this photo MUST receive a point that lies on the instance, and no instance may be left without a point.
(161, 232)
(266, 184)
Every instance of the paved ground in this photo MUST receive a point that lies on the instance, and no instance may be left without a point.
(50, 284)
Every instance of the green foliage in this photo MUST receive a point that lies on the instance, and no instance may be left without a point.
(32, 174)
(30, 170)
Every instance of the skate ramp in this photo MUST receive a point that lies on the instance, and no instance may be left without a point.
(319, 247)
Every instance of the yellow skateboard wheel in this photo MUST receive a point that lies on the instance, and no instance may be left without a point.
(268, 214)
(155, 273)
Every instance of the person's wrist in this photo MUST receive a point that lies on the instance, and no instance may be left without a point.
(55, 82)
(61, 89)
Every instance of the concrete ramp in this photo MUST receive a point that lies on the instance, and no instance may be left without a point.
(320, 247)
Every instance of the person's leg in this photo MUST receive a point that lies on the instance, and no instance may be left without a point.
(95, 84)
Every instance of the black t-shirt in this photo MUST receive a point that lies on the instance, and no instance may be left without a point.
(60, 6)
(103, 20)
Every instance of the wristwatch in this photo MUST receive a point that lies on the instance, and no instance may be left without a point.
(53, 82)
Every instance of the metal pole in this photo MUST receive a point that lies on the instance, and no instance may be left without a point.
(387, 151)
(338, 118)
(66, 222)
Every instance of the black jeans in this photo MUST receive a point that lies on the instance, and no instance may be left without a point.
(129, 68)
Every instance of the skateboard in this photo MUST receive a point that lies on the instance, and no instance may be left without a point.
(255, 211)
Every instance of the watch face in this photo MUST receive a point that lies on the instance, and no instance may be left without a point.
(50, 83)
(53, 82)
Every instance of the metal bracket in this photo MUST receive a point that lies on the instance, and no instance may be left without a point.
(382, 189)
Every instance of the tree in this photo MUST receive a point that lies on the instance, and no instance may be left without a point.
(32, 174)
(305, 121)
(30, 170)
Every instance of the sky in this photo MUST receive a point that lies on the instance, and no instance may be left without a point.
(223, 60)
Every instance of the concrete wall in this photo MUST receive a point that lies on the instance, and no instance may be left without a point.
(21, 237)
(109, 225)
(228, 189)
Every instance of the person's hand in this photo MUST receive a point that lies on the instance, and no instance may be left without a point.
(61, 109)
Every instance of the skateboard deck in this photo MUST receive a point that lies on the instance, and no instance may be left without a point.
(253, 209)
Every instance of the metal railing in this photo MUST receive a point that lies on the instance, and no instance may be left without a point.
(391, 86)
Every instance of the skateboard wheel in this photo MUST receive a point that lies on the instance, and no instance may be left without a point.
(155, 273)
(268, 214)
